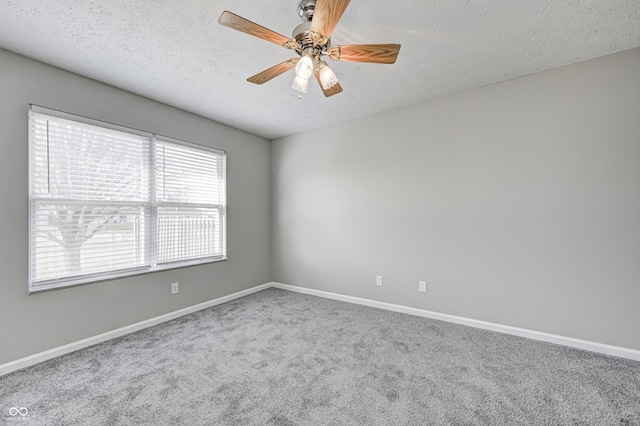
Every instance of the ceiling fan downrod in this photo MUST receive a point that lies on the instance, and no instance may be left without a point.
(306, 9)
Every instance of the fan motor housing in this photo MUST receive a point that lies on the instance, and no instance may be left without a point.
(303, 34)
(301, 31)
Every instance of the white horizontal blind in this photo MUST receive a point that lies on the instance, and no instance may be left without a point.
(93, 213)
(83, 162)
(190, 202)
(188, 175)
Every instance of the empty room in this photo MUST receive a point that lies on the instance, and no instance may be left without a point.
(320, 212)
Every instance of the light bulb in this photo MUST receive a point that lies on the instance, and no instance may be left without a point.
(327, 77)
(304, 67)
(301, 84)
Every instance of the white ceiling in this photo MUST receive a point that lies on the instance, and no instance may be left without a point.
(176, 52)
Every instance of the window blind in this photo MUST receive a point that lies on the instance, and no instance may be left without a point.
(108, 201)
(190, 202)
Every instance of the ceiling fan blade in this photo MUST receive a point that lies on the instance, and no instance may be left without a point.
(239, 23)
(334, 90)
(273, 72)
(326, 15)
(374, 53)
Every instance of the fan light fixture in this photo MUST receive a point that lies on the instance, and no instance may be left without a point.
(304, 71)
(301, 84)
(304, 67)
(328, 78)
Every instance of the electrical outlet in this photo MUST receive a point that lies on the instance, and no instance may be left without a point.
(175, 288)
(422, 286)
(379, 280)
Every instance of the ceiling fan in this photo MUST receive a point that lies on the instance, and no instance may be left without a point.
(311, 40)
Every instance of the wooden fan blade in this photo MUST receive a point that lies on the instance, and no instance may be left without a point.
(236, 22)
(374, 53)
(326, 15)
(273, 72)
(333, 90)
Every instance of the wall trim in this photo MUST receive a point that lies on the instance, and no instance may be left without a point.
(515, 331)
(90, 341)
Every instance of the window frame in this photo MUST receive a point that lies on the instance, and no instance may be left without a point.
(37, 286)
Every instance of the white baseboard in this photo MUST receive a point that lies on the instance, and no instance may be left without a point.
(535, 335)
(530, 334)
(62, 350)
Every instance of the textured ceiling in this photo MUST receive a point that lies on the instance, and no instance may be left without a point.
(176, 52)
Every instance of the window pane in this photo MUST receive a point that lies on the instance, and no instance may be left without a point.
(188, 233)
(79, 161)
(188, 175)
(73, 240)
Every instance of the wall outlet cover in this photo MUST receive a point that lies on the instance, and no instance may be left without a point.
(422, 286)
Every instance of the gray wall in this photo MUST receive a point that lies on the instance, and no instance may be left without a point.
(519, 203)
(31, 324)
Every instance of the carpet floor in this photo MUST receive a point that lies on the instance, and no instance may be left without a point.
(284, 358)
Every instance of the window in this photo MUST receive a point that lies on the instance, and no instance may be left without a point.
(107, 201)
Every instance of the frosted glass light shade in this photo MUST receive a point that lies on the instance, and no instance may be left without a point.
(304, 67)
(301, 84)
(328, 78)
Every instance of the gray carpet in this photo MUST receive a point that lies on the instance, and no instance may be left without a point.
(283, 358)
